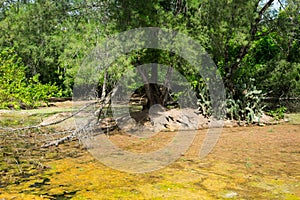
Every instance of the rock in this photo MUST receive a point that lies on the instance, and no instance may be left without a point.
(177, 119)
(65, 125)
(54, 118)
(230, 124)
(125, 122)
(268, 120)
(157, 118)
(230, 195)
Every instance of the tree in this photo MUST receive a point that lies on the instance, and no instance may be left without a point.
(32, 28)
(246, 39)
(273, 58)
(15, 90)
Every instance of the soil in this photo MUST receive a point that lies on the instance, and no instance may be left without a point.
(253, 162)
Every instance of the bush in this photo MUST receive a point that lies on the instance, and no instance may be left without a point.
(204, 102)
(247, 105)
(17, 91)
(278, 113)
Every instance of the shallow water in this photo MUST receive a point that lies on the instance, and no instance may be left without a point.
(247, 163)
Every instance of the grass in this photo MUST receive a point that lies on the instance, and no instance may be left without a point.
(294, 118)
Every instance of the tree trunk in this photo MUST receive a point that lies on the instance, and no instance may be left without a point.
(231, 69)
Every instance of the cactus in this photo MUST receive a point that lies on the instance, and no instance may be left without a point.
(247, 107)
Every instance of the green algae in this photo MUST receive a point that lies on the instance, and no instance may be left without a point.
(69, 172)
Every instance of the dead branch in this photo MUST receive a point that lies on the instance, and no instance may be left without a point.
(62, 140)
(75, 134)
(103, 101)
(49, 124)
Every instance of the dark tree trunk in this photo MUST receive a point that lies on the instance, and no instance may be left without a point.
(154, 95)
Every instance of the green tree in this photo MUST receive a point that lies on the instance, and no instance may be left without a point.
(31, 28)
(273, 59)
(16, 91)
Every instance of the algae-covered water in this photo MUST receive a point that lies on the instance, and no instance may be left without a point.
(247, 163)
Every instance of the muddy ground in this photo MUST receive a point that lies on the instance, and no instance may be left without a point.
(256, 162)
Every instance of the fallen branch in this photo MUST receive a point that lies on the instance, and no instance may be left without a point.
(104, 101)
(60, 140)
(49, 124)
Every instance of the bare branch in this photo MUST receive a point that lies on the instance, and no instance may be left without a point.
(49, 124)
(63, 139)
(89, 124)
(281, 4)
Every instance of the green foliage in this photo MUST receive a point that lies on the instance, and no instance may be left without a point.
(249, 104)
(31, 29)
(16, 91)
(53, 38)
(284, 79)
(278, 113)
(246, 107)
(204, 102)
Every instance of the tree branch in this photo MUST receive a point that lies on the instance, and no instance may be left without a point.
(75, 133)
(49, 124)
(254, 27)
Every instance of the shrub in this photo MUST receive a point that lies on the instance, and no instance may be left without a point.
(278, 113)
(247, 105)
(204, 102)
(17, 91)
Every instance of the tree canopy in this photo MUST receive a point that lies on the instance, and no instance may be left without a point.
(255, 44)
